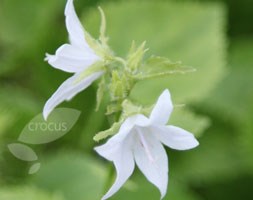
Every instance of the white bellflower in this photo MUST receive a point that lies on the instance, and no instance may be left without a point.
(140, 140)
(76, 57)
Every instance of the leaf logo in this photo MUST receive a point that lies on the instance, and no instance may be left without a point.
(40, 131)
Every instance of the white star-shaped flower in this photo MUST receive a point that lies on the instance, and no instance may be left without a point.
(76, 58)
(140, 140)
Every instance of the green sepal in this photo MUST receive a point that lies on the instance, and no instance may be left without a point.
(100, 46)
(111, 131)
(130, 108)
(96, 67)
(135, 57)
(101, 50)
(157, 66)
(113, 108)
(100, 92)
(103, 39)
(119, 86)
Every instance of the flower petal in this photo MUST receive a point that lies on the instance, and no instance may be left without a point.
(125, 129)
(162, 110)
(175, 137)
(74, 26)
(112, 145)
(68, 90)
(139, 120)
(71, 59)
(151, 159)
(122, 157)
(124, 132)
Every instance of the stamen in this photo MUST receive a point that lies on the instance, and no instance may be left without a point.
(145, 146)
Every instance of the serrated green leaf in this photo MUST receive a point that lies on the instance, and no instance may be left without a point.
(181, 34)
(157, 66)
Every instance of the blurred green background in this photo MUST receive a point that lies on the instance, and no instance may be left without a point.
(215, 37)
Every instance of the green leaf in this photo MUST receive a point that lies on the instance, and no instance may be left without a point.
(181, 34)
(28, 193)
(217, 158)
(234, 94)
(232, 100)
(188, 120)
(157, 66)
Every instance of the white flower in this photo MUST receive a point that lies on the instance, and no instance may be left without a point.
(75, 57)
(140, 140)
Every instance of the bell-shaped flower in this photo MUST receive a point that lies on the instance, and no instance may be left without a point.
(76, 57)
(140, 140)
